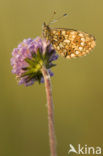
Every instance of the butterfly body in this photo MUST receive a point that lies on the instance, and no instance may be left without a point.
(68, 42)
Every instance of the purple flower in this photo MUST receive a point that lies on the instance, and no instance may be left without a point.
(28, 59)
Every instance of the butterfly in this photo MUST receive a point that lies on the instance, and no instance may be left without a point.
(69, 43)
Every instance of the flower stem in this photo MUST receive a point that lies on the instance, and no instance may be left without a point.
(48, 88)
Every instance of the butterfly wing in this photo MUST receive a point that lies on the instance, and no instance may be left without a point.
(71, 43)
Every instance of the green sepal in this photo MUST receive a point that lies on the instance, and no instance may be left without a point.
(34, 55)
(30, 77)
(48, 55)
(25, 68)
(50, 65)
(39, 78)
(39, 56)
(31, 71)
(30, 62)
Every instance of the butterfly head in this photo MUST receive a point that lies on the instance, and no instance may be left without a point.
(46, 30)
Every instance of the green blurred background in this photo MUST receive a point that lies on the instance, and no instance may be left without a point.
(77, 84)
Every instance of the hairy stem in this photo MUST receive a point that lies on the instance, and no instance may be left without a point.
(48, 88)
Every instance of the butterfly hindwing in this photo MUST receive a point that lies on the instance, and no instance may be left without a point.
(70, 43)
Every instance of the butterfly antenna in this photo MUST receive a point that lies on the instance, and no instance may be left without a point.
(52, 17)
(58, 18)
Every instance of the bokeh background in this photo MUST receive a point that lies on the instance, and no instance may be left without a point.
(77, 84)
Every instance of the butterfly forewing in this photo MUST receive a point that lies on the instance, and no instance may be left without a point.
(70, 43)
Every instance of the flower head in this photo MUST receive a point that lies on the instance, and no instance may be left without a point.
(28, 59)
